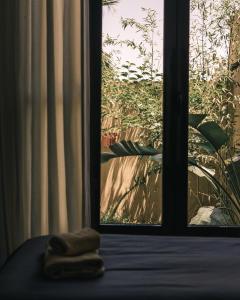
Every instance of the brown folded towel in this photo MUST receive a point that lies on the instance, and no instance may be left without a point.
(70, 244)
(85, 266)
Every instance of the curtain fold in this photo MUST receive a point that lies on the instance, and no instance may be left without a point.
(41, 150)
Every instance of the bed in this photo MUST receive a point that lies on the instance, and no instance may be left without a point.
(137, 267)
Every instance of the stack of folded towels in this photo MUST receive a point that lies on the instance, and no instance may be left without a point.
(72, 255)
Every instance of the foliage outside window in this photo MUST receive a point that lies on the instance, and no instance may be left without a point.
(132, 96)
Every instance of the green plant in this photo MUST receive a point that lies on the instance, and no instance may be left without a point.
(211, 51)
(132, 95)
(211, 139)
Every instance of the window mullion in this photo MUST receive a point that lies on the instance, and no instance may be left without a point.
(175, 133)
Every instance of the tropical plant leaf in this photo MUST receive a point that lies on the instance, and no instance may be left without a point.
(233, 174)
(127, 148)
(205, 145)
(195, 119)
(214, 134)
(199, 172)
(203, 172)
(218, 187)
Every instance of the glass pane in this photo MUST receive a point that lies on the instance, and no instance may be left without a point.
(214, 116)
(131, 125)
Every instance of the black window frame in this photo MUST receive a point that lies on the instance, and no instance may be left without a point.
(175, 127)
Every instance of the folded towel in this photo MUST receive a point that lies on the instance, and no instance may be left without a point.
(85, 266)
(70, 244)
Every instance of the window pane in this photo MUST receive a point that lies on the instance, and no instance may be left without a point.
(131, 134)
(214, 116)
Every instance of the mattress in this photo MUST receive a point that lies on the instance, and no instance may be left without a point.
(137, 267)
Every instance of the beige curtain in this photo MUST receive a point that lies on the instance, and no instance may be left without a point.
(41, 123)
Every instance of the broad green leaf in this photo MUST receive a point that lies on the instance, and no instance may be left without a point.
(195, 119)
(207, 147)
(127, 148)
(214, 134)
(106, 156)
(218, 187)
(203, 172)
(199, 172)
(119, 149)
(147, 150)
(233, 173)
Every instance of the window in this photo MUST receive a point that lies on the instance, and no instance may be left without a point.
(131, 114)
(177, 148)
(213, 114)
